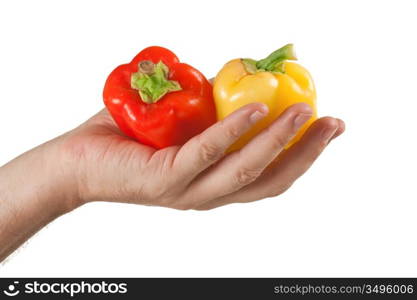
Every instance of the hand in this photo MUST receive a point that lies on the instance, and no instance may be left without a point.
(108, 166)
(97, 162)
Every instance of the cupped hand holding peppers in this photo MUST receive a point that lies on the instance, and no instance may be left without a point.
(193, 170)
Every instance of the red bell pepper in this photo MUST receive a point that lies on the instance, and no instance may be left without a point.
(159, 101)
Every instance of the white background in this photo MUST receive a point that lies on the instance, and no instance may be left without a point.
(352, 214)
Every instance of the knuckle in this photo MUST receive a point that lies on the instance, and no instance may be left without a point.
(230, 132)
(279, 141)
(209, 152)
(246, 176)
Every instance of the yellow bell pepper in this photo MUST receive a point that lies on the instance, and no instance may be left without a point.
(273, 81)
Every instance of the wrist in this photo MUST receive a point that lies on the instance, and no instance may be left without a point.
(43, 177)
(62, 168)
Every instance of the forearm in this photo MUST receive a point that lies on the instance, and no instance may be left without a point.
(34, 190)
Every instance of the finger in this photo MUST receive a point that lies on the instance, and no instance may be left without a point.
(341, 128)
(289, 167)
(299, 158)
(205, 149)
(242, 167)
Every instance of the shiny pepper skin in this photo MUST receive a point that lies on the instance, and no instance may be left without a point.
(274, 81)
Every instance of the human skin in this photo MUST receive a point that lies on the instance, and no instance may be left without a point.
(97, 162)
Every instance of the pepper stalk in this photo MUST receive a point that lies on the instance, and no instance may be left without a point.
(151, 80)
(273, 62)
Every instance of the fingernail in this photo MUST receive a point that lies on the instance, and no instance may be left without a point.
(300, 119)
(259, 114)
(328, 133)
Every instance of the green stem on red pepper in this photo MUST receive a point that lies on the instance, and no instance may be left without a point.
(151, 80)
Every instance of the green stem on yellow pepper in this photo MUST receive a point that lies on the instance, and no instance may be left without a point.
(272, 63)
(275, 58)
